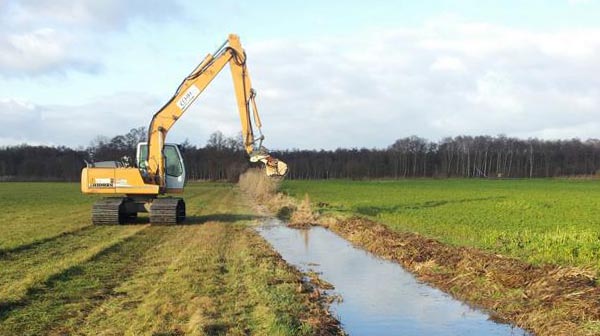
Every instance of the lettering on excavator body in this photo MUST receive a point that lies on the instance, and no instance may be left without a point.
(188, 97)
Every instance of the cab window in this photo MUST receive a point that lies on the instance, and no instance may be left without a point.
(173, 163)
(142, 156)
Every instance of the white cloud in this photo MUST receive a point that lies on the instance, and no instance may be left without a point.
(25, 122)
(496, 93)
(445, 63)
(17, 113)
(444, 78)
(17, 118)
(34, 52)
(40, 37)
(105, 14)
(369, 89)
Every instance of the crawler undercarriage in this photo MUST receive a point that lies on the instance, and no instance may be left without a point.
(122, 210)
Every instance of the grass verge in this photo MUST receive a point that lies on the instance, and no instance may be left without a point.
(215, 275)
(542, 297)
(538, 221)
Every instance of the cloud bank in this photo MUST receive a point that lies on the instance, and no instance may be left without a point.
(443, 78)
(39, 37)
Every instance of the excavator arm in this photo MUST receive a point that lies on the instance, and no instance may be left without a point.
(193, 85)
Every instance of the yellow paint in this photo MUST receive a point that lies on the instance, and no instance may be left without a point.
(122, 181)
(192, 86)
(232, 54)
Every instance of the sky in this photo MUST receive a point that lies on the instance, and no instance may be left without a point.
(328, 74)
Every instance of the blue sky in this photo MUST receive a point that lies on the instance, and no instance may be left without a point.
(329, 73)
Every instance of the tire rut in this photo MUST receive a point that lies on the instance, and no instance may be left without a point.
(71, 294)
(22, 270)
(12, 252)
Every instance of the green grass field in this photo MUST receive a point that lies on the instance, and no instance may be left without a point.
(540, 221)
(214, 275)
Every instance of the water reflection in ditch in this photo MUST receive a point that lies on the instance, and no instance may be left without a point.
(379, 296)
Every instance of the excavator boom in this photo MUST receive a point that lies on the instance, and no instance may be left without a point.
(159, 165)
(189, 90)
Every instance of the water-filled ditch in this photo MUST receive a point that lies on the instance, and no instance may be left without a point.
(379, 296)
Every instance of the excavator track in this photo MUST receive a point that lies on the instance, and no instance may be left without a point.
(108, 211)
(167, 211)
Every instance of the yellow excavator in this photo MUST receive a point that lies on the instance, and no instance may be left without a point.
(159, 168)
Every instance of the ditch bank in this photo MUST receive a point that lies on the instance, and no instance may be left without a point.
(316, 313)
(373, 296)
(544, 300)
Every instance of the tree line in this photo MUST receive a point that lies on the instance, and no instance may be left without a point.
(461, 156)
(223, 158)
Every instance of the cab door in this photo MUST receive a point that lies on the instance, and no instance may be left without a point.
(175, 169)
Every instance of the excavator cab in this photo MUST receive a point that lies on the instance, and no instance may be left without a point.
(175, 168)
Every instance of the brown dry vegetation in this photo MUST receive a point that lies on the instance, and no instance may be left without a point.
(547, 299)
(256, 184)
(303, 216)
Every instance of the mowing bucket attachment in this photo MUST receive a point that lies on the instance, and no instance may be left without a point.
(273, 166)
